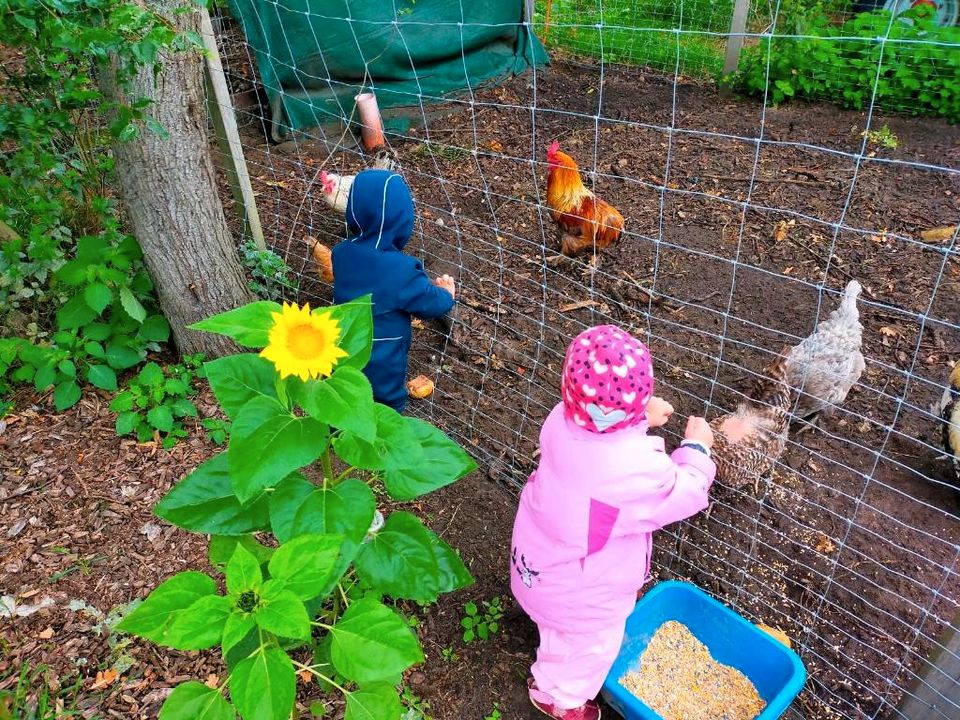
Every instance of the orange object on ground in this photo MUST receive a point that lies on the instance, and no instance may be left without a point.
(420, 387)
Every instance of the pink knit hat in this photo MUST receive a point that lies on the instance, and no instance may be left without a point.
(607, 379)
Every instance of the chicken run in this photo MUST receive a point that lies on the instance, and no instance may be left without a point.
(777, 264)
(833, 517)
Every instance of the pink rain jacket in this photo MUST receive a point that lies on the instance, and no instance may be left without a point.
(582, 538)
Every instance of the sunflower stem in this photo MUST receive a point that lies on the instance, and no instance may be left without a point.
(327, 466)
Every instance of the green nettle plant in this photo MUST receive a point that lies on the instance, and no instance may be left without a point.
(157, 400)
(315, 602)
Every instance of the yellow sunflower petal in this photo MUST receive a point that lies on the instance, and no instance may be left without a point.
(303, 343)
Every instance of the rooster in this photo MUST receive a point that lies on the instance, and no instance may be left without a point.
(336, 188)
(585, 221)
(825, 365)
(948, 410)
(750, 440)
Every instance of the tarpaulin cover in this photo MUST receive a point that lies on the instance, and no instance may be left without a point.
(314, 56)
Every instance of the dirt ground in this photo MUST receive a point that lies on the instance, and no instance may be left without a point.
(852, 548)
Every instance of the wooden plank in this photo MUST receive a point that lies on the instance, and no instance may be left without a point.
(738, 26)
(228, 136)
(936, 693)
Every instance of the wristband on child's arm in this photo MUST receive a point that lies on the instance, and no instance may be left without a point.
(696, 446)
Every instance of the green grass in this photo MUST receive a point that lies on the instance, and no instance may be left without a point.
(642, 32)
(32, 698)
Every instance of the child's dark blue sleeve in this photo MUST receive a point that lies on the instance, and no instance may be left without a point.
(421, 298)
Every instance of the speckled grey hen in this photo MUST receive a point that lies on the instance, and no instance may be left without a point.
(825, 365)
(948, 409)
(750, 440)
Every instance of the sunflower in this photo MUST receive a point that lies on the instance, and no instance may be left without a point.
(303, 343)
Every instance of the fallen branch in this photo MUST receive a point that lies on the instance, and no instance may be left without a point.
(579, 305)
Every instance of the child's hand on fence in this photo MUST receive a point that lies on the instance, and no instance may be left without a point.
(447, 283)
(658, 412)
(699, 431)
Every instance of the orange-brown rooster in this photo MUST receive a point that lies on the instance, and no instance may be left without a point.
(586, 222)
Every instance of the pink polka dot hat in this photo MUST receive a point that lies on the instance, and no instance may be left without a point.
(607, 380)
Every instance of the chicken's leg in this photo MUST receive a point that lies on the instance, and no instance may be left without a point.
(814, 420)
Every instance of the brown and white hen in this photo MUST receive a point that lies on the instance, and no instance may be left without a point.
(750, 440)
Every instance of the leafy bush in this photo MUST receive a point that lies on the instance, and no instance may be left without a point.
(270, 274)
(157, 400)
(73, 289)
(916, 69)
(315, 603)
(101, 328)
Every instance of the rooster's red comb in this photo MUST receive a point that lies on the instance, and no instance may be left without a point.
(554, 147)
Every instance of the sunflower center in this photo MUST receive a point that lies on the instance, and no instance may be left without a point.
(306, 342)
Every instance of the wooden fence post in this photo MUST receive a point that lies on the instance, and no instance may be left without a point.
(228, 136)
(936, 693)
(738, 26)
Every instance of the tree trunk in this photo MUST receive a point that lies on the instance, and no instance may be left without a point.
(169, 189)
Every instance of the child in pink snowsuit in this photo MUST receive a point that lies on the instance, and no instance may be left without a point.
(582, 538)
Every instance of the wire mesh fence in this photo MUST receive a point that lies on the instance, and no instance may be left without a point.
(744, 222)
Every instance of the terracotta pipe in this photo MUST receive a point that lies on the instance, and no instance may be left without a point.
(371, 126)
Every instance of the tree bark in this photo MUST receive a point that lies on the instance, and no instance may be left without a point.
(169, 189)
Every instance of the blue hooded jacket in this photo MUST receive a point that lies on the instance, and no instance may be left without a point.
(380, 221)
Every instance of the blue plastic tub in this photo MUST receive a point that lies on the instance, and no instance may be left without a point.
(774, 669)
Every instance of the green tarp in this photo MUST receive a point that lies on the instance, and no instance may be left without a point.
(314, 55)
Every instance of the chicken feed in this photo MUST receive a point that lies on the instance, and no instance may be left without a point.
(680, 680)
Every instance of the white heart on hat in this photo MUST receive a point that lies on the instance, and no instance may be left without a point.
(603, 419)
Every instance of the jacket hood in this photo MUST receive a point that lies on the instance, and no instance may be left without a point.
(380, 210)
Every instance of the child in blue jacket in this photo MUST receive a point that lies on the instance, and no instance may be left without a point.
(371, 260)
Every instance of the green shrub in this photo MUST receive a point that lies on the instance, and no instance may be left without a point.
(76, 305)
(915, 70)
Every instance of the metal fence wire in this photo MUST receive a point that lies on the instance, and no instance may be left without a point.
(744, 222)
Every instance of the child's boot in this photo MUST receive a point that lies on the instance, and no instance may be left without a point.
(588, 711)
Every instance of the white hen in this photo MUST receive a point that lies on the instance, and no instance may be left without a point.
(825, 365)
(336, 188)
